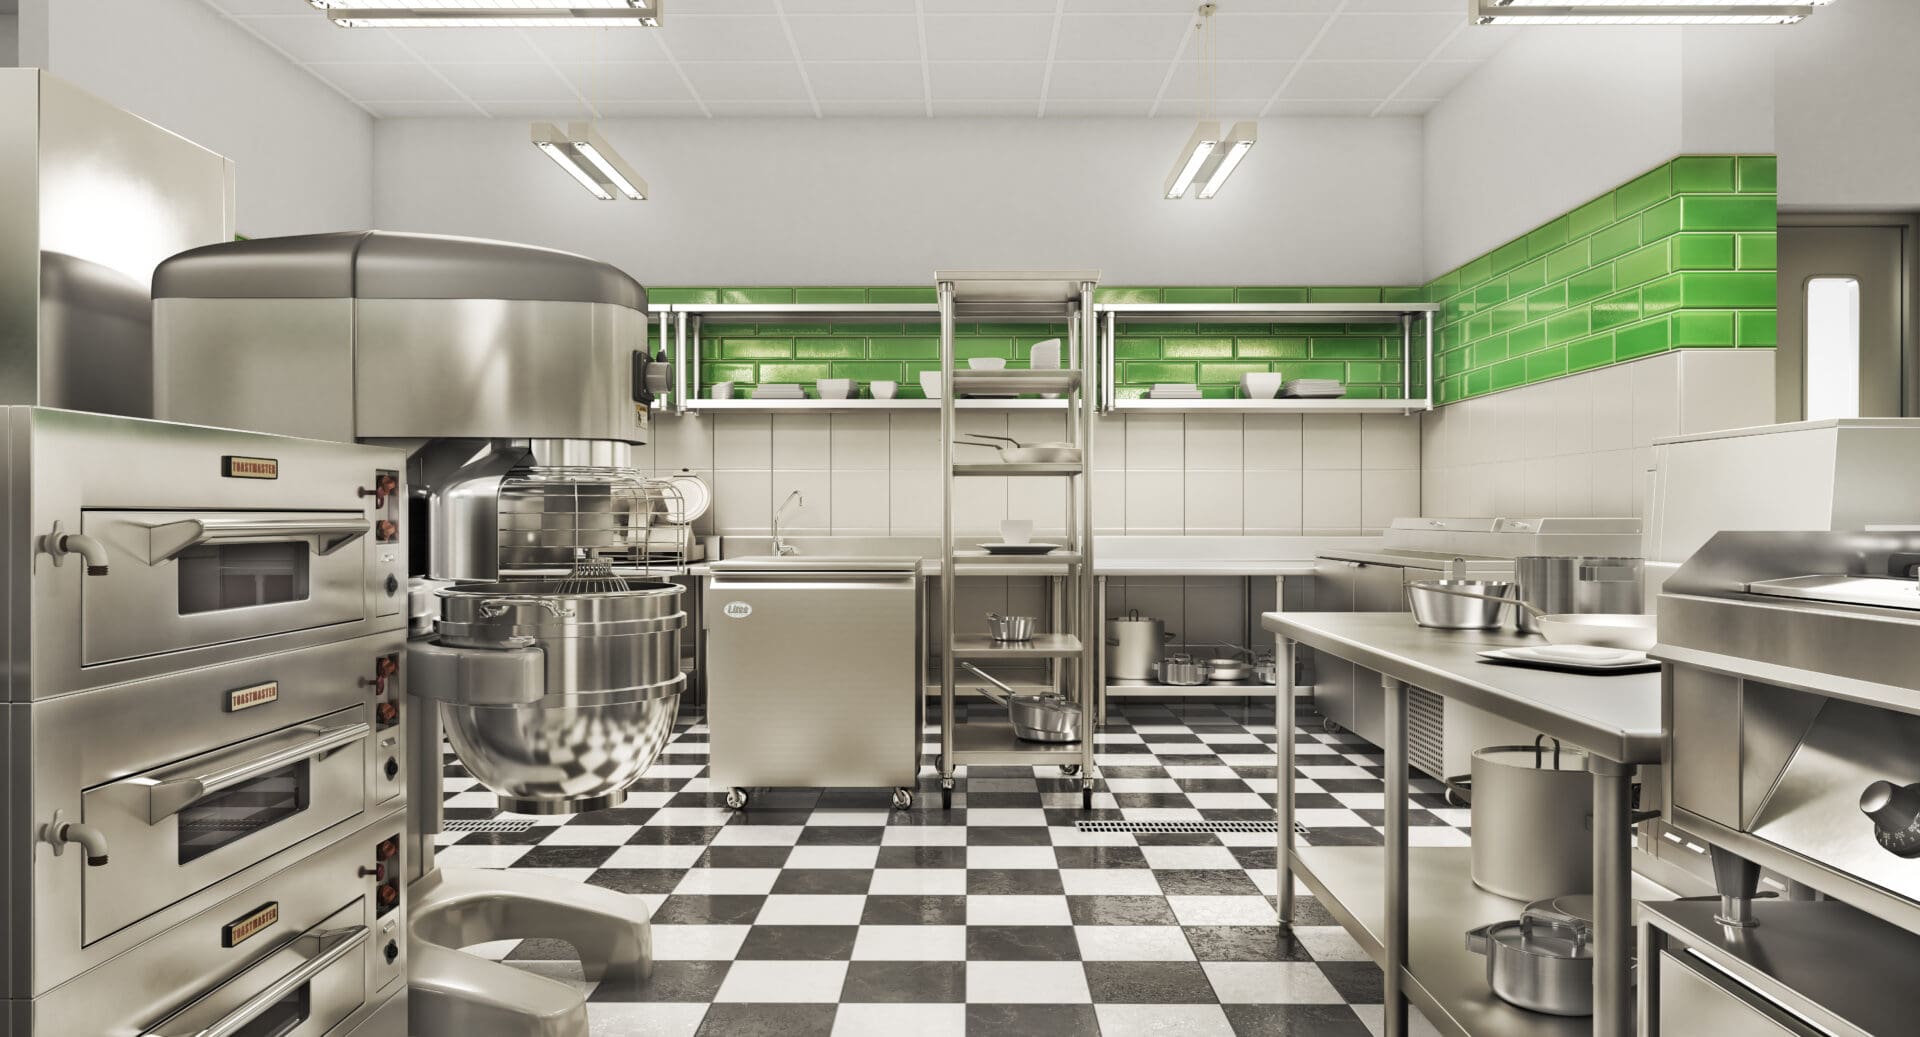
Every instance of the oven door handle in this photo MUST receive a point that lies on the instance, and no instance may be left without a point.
(325, 949)
(325, 534)
(168, 793)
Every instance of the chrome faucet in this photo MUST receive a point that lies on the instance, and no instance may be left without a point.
(781, 548)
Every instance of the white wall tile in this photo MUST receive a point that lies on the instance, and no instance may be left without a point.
(813, 513)
(1390, 441)
(682, 441)
(1611, 390)
(862, 441)
(1213, 501)
(742, 441)
(1387, 494)
(1536, 420)
(1214, 612)
(1331, 499)
(1574, 473)
(861, 501)
(1656, 398)
(1037, 426)
(1155, 441)
(1330, 441)
(802, 441)
(1042, 500)
(1213, 441)
(1110, 441)
(915, 495)
(1156, 597)
(1272, 441)
(1271, 503)
(1573, 416)
(916, 441)
(1109, 503)
(1542, 486)
(980, 505)
(743, 502)
(1613, 478)
(1725, 388)
(1155, 503)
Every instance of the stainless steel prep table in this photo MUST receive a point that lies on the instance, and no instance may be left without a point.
(1615, 719)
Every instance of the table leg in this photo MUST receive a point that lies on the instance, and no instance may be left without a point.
(1396, 892)
(1612, 898)
(1283, 771)
(1099, 629)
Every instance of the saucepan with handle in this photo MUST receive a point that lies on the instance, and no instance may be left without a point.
(1016, 452)
(1633, 633)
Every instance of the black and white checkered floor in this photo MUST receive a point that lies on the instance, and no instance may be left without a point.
(826, 912)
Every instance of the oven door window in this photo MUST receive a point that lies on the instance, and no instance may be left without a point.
(232, 814)
(216, 577)
(282, 1017)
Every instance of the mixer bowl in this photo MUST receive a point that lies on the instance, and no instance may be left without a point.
(608, 688)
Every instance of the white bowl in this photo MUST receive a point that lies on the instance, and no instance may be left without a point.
(883, 390)
(834, 388)
(930, 384)
(986, 363)
(1016, 531)
(721, 390)
(1261, 385)
(1044, 356)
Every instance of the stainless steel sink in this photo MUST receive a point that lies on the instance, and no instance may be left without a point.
(802, 563)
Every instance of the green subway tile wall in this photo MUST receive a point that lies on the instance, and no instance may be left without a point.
(1680, 257)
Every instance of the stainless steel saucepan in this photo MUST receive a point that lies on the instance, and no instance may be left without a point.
(1633, 633)
(1036, 718)
(1016, 452)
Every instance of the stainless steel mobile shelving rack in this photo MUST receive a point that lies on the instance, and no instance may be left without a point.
(1068, 648)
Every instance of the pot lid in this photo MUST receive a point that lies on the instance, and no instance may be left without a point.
(1544, 937)
(694, 495)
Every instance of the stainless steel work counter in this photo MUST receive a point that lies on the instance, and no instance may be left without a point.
(1615, 718)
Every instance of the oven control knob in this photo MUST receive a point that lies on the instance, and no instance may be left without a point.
(393, 585)
(1895, 810)
(391, 951)
(391, 768)
(388, 849)
(388, 896)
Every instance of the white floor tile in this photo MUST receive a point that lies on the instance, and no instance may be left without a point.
(590, 835)
(1144, 785)
(896, 1020)
(1109, 882)
(1240, 910)
(919, 882)
(1163, 1021)
(996, 817)
(1064, 836)
(848, 818)
(758, 835)
(911, 943)
(811, 909)
(659, 857)
(783, 982)
(1433, 835)
(924, 835)
(690, 817)
(1227, 801)
(1269, 983)
(1133, 943)
(698, 942)
(1189, 857)
(1202, 771)
(833, 857)
(1011, 857)
(1374, 1018)
(1329, 819)
(1329, 943)
(1017, 910)
(752, 881)
(479, 856)
(1027, 983)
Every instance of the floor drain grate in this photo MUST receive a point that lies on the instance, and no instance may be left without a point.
(493, 827)
(1181, 827)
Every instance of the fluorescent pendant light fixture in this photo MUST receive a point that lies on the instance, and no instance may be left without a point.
(589, 159)
(471, 14)
(1640, 12)
(1239, 141)
(1200, 148)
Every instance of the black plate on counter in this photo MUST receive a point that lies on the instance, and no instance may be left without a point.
(1019, 549)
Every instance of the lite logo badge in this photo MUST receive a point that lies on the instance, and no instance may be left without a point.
(736, 610)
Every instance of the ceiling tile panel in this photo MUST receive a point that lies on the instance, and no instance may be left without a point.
(312, 38)
(1123, 36)
(1287, 109)
(422, 110)
(988, 37)
(856, 37)
(745, 80)
(1347, 80)
(780, 108)
(566, 45)
(648, 109)
(1106, 80)
(867, 80)
(1137, 109)
(987, 80)
(724, 37)
(465, 46)
(1437, 79)
(363, 82)
(627, 81)
(1405, 107)
(286, 7)
(1264, 36)
(1371, 37)
(1011, 109)
(1477, 42)
(889, 109)
(486, 83)
(1230, 79)
(1046, 7)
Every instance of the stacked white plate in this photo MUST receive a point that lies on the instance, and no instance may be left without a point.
(779, 391)
(1174, 391)
(1314, 389)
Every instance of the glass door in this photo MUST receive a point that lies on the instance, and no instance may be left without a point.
(1845, 335)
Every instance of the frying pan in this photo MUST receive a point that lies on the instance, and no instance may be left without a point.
(1028, 453)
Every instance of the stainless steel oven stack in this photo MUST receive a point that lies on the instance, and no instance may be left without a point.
(1792, 702)
(205, 797)
(518, 380)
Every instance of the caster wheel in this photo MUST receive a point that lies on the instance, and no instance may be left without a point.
(1329, 726)
(736, 798)
(1086, 798)
(902, 799)
(946, 798)
(1069, 769)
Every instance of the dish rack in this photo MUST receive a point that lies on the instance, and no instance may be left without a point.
(550, 515)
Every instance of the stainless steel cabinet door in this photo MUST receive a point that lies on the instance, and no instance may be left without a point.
(1844, 338)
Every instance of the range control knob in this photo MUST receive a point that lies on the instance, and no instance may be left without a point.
(1895, 810)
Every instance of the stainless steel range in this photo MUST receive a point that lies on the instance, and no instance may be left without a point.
(1793, 709)
(518, 380)
(203, 729)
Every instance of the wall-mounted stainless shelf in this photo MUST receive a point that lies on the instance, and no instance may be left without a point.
(1002, 469)
(1407, 315)
(815, 406)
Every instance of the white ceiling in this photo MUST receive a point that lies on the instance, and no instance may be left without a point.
(819, 58)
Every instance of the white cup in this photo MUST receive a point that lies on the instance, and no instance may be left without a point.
(1016, 531)
(884, 390)
(986, 363)
(722, 390)
(930, 384)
